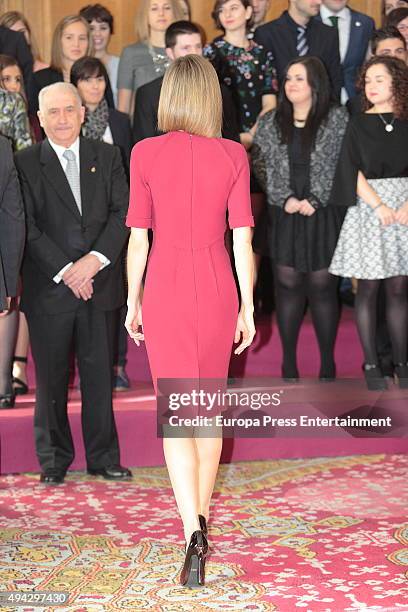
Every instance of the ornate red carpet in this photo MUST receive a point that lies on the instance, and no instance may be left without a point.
(322, 534)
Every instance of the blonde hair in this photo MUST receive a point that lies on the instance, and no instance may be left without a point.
(10, 18)
(190, 98)
(142, 17)
(56, 47)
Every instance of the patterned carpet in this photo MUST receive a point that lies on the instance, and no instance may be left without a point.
(318, 535)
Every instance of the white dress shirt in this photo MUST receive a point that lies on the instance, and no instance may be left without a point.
(344, 27)
(59, 151)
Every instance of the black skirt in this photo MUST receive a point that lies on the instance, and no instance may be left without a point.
(304, 243)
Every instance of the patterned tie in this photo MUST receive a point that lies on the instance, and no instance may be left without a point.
(301, 43)
(335, 21)
(72, 174)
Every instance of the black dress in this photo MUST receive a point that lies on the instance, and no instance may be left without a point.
(304, 243)
(366, 249)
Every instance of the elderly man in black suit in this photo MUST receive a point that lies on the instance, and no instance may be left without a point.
(76, 196)
(12, 233)
(296, 33)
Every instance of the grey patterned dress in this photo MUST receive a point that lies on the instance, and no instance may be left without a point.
(366, 249)
(304, 243)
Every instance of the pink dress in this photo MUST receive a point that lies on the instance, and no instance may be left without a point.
(182, 186)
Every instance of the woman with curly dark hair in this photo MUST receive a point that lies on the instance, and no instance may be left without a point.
(373, 243)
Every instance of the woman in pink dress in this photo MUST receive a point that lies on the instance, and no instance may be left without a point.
(183, 184)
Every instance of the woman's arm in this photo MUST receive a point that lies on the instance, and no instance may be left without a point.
(136, 264)
(125, 97)
(242, 238)
(367, 193)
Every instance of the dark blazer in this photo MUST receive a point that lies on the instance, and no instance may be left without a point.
(48, 76)
(14, 44)
(147, 104)
(12, 226)
(279, 37)
(58, 234)
(119, 124)
(361, 29)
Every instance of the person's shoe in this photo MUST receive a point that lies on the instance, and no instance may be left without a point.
(401, 375)
(374, 377)
(52, 477)
(327, 373)
(193, 571)
(203, 524)
(7, 400)
(20, 386)
(121, 380)
(111, 472)
(290, 374)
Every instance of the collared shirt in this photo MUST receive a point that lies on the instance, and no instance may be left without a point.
(343, 26)
(59, 151)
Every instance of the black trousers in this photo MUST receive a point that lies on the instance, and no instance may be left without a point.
(91, 332)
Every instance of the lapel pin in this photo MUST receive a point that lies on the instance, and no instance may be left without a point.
(358, 23)
(93, 169)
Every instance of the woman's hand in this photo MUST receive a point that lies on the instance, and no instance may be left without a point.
(401, 215)
(306, 209)
(292, 205)
(246, 327)
(133, 322)
(386, 215)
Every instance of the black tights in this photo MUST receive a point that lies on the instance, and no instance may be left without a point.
(292, 290)
(396, 313)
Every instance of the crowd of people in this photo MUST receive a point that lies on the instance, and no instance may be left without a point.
(325, 129)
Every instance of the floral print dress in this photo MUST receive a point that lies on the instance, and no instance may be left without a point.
(249, 74)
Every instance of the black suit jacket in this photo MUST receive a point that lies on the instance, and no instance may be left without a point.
(14, 44)
(119, 124)
(147, 104)
(12, 226)
(361, 29)
(279, 37)
(58, 234)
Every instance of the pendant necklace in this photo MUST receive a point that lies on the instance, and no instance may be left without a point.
(389, 127)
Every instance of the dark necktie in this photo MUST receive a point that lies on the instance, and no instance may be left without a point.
(335, 21)
(302, 47)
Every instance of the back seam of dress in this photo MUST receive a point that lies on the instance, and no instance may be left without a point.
(192, 255)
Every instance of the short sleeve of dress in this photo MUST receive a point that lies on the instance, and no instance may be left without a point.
(125, 78)
(270, 78)
(140, 202)
(239, 199)
(344, 190)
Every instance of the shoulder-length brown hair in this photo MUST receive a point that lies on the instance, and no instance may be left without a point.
(399, 75)
(142, 17)
(56, 47)
(190, 98)
(215, 14)
(10, 18)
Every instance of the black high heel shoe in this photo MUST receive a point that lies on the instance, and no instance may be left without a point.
(203, 524)
(7, 400)
(193, 572)
(401, 375)
(290, 375)
(374, 377)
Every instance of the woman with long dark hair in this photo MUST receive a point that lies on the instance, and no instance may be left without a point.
(372, 179)
(294, 157)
